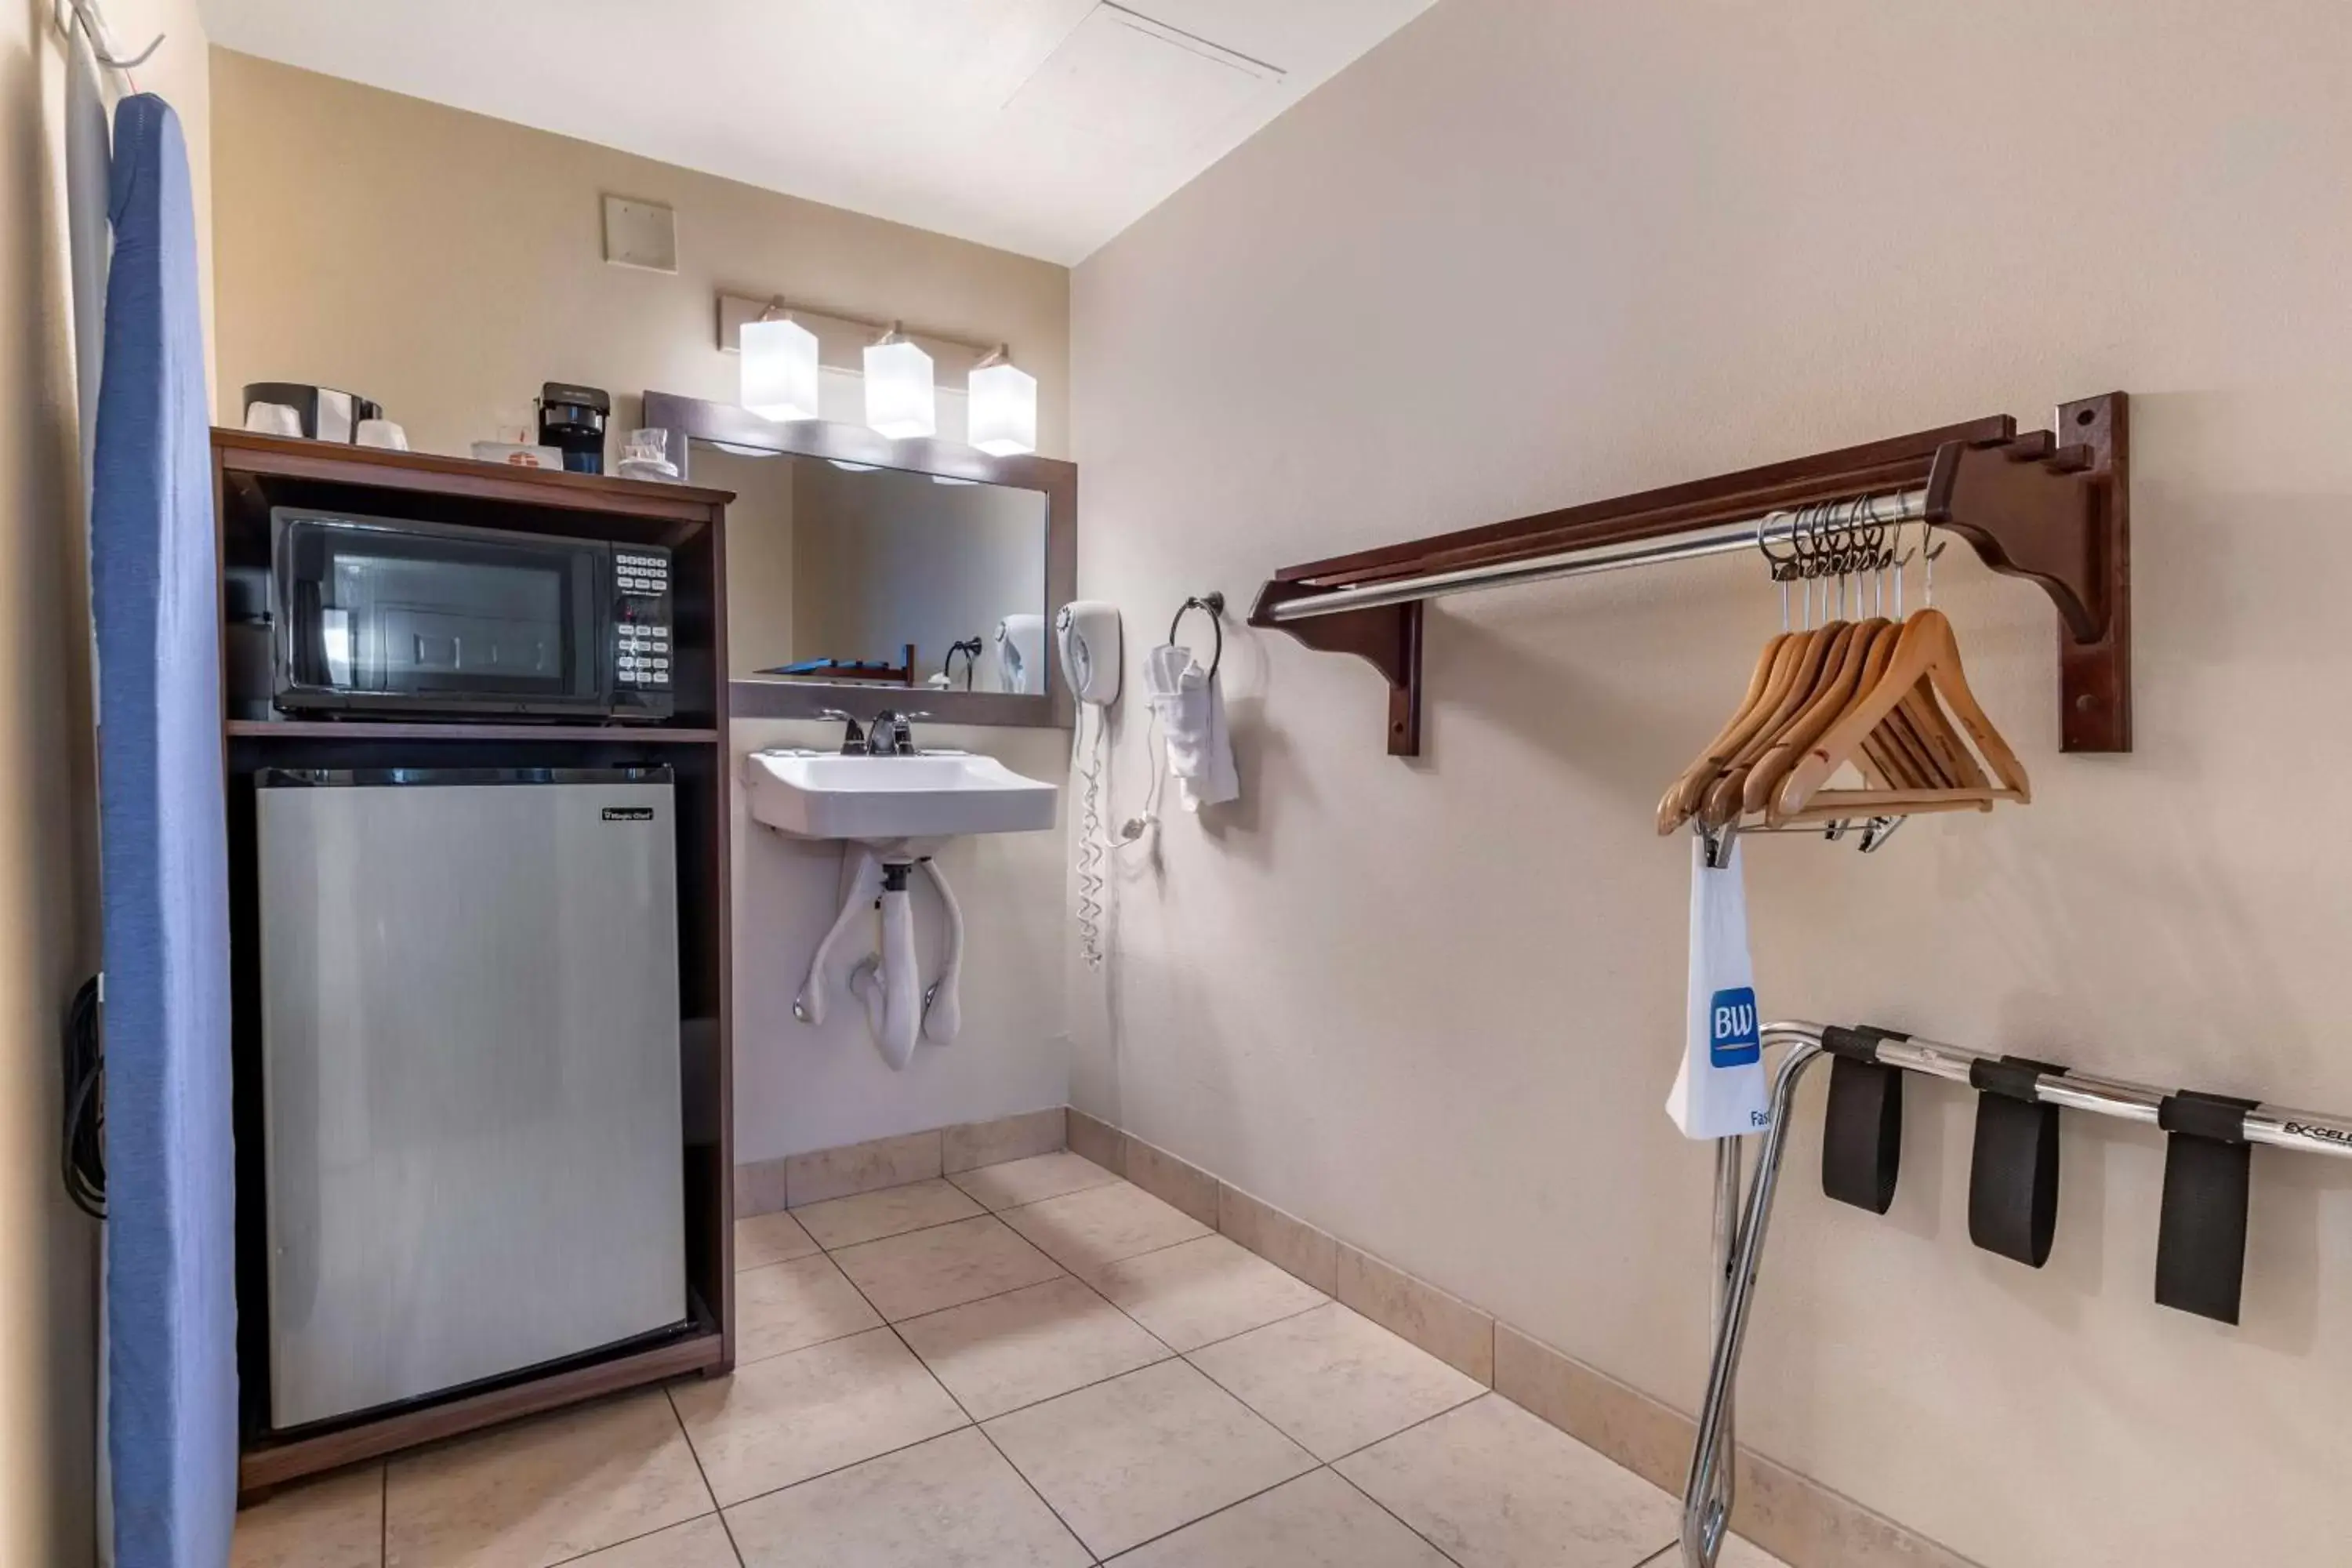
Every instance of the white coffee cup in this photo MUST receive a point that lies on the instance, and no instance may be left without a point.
(273, 419)
(382, 433)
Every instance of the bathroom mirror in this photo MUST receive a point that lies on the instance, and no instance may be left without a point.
(865, 573)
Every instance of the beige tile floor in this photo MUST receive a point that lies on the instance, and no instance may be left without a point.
(1028, 1366)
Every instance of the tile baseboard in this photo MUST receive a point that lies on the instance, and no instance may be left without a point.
(968, 1145)
(1177, 1183)
(763, 1186)
(1447, 1326)
(760, 1188)
(1287, 1242)
(1790, 1515)
(1098, 1140)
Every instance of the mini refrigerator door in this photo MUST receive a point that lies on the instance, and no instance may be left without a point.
(471, 1074)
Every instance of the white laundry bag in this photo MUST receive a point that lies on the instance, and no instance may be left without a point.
(1720, 1090)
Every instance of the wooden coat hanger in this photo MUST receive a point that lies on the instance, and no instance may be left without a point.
(1682, 796)
(1925, 666)
(1823, 645)
(1788, 666)
(1869, 651)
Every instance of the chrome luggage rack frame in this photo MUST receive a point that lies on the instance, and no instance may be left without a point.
(1743, 1211)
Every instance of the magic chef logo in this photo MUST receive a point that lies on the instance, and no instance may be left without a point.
(1731, 1038)
(2324, 1135)
(628, 814)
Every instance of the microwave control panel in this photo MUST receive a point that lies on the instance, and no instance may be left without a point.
(643, 658)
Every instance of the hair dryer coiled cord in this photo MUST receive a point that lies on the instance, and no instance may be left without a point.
(1092, 880)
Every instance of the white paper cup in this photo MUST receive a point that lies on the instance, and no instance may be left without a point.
(273, 419)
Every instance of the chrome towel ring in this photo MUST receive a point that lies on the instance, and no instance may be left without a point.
(1215, 604)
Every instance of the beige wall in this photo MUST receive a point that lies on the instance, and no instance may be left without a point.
(49, 905)
(446, 264)
(1526, 254)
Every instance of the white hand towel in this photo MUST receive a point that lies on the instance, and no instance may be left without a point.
(1191, 707)
(1021, 654)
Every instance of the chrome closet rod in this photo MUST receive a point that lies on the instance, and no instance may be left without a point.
(1739, 1236)
(1778, 526)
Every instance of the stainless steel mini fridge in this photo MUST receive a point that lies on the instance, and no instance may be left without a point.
(470, 1074)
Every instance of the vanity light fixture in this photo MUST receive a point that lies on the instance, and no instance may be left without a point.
(1003, 406)
(900, 399)
(780, 374)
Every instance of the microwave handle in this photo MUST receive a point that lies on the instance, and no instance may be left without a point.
(301, 648)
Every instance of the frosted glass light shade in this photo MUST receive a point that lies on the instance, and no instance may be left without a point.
(779, 370)
(1003, 410)
(900, 399)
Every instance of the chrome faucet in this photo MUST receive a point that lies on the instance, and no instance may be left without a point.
(892, 735)
(853, 739)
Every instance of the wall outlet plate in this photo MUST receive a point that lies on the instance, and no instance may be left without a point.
(640, 234)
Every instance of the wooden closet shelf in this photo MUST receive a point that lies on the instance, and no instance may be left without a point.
(378, 730)
(2050, 506)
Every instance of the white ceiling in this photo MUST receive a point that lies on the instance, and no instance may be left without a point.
(1040, 126)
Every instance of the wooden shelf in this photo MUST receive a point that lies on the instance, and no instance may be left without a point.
(2052, 506)
(378, 730)
(246, 452)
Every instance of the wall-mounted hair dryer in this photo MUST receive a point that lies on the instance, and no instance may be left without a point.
(1086, 632)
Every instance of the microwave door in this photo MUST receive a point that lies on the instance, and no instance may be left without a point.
(416, 618)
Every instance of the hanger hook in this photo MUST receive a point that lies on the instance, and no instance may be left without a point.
(1839, 551)
(1902, 564)
(89, 26)
(1816, 562)
(1824, 554)
(1782, 568)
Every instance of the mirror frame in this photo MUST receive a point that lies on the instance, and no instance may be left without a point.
(692, 419)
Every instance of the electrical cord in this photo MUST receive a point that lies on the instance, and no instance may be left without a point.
(1094, 849)
(82, 1157)
(1091, 853)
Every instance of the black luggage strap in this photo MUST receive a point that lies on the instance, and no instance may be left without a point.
(2013, 1171)
(1862, 1134)
(2201, 1244)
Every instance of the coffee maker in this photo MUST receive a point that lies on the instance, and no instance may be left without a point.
(571, 419)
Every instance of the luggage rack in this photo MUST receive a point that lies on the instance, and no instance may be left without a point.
(2201, 1251)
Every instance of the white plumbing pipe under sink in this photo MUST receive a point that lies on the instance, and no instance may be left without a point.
(899, 1008)
(890, 981)
(809, 1006)
(942, 1009)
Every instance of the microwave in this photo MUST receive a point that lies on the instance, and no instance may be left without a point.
(378, 615)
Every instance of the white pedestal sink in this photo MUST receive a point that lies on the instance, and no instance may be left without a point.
(891, 809)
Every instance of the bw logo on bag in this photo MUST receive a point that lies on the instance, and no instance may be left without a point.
(1732, 1040)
